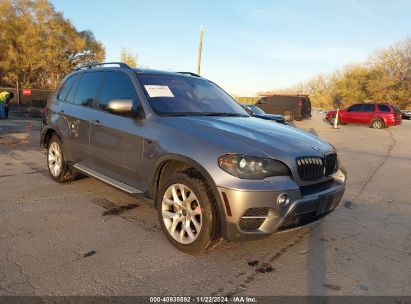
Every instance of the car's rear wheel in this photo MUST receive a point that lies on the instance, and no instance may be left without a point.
(377, 124)
(188, 213)
(57, 164)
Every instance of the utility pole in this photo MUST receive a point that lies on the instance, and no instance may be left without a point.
(200, 48)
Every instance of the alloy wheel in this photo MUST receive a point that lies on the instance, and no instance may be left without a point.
(55, 160)
(377, 124)
(181, 212)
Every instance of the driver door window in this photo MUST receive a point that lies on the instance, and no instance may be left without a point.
(355, 108)
(117, 86)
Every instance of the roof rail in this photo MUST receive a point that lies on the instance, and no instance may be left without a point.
(96, 64)
(189, 73)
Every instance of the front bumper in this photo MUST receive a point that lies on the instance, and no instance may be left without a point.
(256, 214)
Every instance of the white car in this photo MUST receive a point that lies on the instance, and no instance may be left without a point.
(406, 114)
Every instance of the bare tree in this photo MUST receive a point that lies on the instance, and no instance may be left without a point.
(128, 57)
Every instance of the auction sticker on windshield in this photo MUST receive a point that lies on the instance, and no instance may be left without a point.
(158, 91)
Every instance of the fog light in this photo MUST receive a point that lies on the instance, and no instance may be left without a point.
(283, 200)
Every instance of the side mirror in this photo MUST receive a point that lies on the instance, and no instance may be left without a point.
(122, 107)
(248, 110)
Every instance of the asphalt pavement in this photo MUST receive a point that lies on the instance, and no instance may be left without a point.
(87, 238)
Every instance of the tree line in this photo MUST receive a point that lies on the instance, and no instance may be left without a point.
(38, 46)
(384, 77)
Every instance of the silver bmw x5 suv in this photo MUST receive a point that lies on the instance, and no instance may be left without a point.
(210, 169)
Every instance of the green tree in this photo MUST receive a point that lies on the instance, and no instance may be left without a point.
(39, 46)
(352, 87)
(128, 57)
(391, 70)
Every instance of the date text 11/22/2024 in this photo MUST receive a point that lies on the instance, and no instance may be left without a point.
(202, 299)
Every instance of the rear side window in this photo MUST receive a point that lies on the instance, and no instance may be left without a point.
(384, 108)
(70, 96)
(88, 88)
(117, 86)
(66, 87)
(355, 108)
(368, 108)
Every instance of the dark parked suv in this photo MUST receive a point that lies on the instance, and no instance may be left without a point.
(291, 106)
(210, 169)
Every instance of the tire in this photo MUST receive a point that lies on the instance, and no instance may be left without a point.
(57, 164)
(288, 116)
(332, 120)
(377, 124)
(199, 215)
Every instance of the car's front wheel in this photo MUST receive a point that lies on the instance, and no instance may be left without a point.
(332, 120)
(188, 213)
(288, 116)
(57, 164)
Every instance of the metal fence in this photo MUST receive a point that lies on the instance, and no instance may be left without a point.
(247, 100)
(27, 104)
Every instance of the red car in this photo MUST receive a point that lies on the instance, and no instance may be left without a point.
(376, 115)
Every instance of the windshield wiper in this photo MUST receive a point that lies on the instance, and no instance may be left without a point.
(181, 114)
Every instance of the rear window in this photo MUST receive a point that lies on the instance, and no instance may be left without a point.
(384, 108)
(66, 87)
(256, 110)
(396, 109)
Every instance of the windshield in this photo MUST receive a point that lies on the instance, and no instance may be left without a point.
(256, 110)
(173, 95)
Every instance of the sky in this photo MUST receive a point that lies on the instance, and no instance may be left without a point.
(248, 46)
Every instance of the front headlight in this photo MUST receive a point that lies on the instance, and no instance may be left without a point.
(252, 167)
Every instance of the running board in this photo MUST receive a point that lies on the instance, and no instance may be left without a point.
(107, 179)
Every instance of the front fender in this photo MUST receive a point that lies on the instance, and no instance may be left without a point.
(153, 182)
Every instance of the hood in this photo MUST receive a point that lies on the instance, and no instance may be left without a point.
(269, 116)
(273, 140)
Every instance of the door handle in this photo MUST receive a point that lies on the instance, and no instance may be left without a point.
(96, 122)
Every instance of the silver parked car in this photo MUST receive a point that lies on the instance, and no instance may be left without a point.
(210, 169)
(406, 114)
